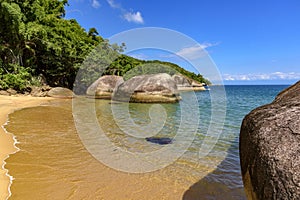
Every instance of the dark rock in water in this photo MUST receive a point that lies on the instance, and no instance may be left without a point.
(115, 102)
(153, 88)
(159, 140)
(104, 86)
(270, 148)
(60, 92)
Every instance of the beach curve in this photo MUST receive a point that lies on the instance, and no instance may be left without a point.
(9, 104)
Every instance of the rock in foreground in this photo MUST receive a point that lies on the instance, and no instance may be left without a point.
(270, 148)
(154, 88)
(104, 86)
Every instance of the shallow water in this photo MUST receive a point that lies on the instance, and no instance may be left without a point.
(54, 163)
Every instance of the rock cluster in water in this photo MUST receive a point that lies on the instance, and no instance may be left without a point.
(270, 148)
(151, 88)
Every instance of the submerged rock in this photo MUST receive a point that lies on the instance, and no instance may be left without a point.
(270, 148)
(158, 140)
(104, 86)
(60, 92)
(154, 88)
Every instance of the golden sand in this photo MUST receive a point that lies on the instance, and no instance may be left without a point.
(53, 163)
(8, 104)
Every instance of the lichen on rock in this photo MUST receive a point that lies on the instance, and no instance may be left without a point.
(270, 148)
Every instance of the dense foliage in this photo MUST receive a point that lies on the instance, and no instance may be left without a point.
(106, 59)
(123, 66)
(36, 41)
(38, 45)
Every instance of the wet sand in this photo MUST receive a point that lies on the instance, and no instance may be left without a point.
(8, 104)
(53, 163)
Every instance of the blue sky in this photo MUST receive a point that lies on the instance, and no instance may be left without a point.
(251, 42)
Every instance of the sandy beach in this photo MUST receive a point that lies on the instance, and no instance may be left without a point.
(8, 104)
(80, 175)
(52, 161)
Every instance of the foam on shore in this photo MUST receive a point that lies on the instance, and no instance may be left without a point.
(4, 163)
(8, 105)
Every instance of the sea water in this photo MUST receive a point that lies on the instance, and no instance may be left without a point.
(59, 158)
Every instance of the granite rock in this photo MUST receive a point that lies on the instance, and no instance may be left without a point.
(270, 148)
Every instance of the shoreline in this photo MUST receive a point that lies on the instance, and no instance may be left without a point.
(152, 185)
(90, 178)
(8, 105)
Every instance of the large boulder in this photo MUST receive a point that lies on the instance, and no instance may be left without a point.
(60, 92)
(153, 88)
(185, 83)
(270, 148)
(104, 86)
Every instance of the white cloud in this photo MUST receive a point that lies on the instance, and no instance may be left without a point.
(195, 52)
(191, 52)
(270, 76)
(134, 17)
(96, 4)
(207, 44)
(113, 4)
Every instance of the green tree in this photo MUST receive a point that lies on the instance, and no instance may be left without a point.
(35, 36)
(36, 40)
(97, 64)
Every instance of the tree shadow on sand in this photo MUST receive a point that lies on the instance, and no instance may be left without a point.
(224, 183)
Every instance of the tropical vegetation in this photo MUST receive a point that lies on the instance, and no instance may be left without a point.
(38, 45)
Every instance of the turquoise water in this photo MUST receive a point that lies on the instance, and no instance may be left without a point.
(199, 156)
(202, 162)
(225, 181)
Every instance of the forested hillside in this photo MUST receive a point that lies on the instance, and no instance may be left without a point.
(38, 45)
